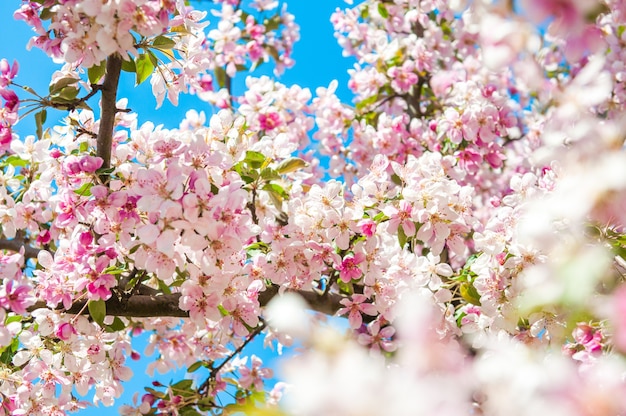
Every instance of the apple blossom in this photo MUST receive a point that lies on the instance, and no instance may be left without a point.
(473, 236)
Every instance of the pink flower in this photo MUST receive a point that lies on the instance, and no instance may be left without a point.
(377, 339)
(349, 269)
(401, 216)
(403, 77)
(355, 307)
(367, 227)
(254, 376)
(101, 287)
(15, 297)
(7, 73)
(89, 164)
(269, 121)
(619, 318)
(65, 331)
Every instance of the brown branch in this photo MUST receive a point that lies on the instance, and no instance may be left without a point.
(148, 303)
(17, 244)
(109, 109)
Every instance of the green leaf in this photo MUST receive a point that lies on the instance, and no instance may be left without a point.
(163, 42)
(183, 387)
(116, 326)
(205, 404)
(16, 161)
(290, 165)
(96, 72)
(97, 310)
(383, 11)
(195, 366)
(105, 171)
(222, 310)
(68, 93)
(276, 193)
(402, 238)
(144, 67)
(155, 393)
(254, 159)
(12, 318)
(260, 245)
(346, 288)
(163, 287)
(134, 249)
(470, 294)
(269, 174)
(366, 102)
(273, 23)
(61, 84)
(129, 66)
(180, 29)
(153, 58)
(84, 190)
(83, 147)
(188, 411)
(220, 76)
(112, 270)
(40, 119)
(45, 14)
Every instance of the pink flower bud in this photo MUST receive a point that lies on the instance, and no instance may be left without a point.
(148, 398)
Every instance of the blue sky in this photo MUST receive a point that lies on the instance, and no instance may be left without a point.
(318, 62)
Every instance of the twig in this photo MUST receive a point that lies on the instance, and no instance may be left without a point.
(204, 388)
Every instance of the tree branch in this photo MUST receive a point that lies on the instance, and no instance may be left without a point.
(17, 244)
(109, 109)
(148, 303)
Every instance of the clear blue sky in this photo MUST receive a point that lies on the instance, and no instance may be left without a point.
(318, 62)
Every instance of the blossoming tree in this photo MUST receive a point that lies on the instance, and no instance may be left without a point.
(473, 234)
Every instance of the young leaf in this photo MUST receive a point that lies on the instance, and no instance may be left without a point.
(144, 67)
(84, 190)
(96, 72)
(116, 326)
(290, 165)
(97, 310)
(163, 42)
(182, 385)
(129, 66)
(40, 118)
(195, 366)
(220, 76)
(254, 159)
(383, 11)
(470, 294)
(61, 84)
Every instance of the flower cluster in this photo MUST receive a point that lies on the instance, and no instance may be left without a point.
(11, 102)
(477, 221)
(86, 32)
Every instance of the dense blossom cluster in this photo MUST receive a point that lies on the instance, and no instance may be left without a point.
(474, 241)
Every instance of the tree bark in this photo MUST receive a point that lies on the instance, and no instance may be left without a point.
(109, 109)
(160, 305)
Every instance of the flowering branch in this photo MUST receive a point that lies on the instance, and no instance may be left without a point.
(148, 302)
